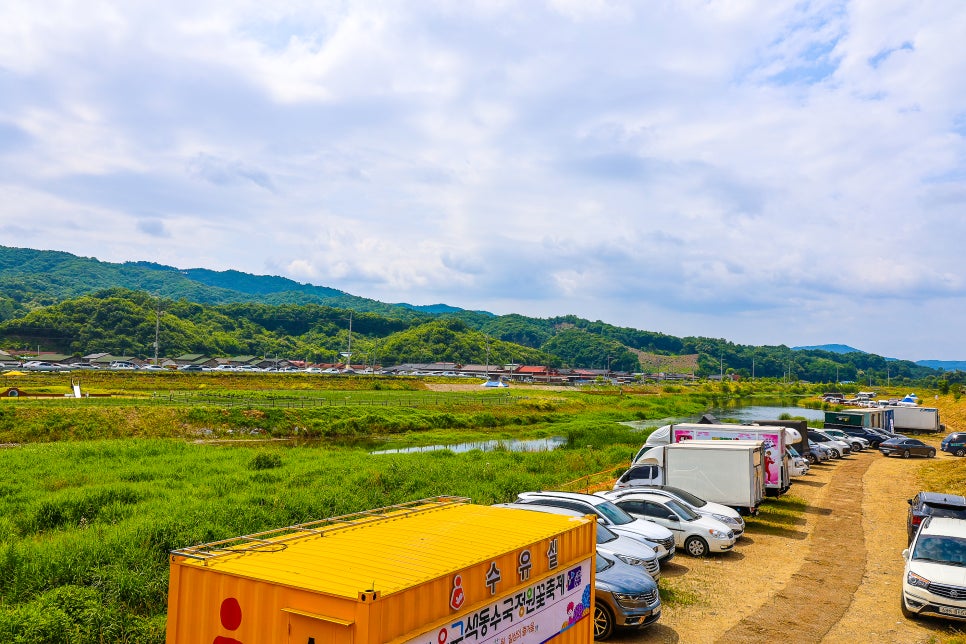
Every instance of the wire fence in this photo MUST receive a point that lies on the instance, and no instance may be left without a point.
(293, 401)
(335, 400)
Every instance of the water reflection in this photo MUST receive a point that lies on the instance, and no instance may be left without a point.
(740, 413)
(509, 445)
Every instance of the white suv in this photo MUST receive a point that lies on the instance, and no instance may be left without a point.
(728, 516)
(608, 514)
(699, 535)
(934, 579)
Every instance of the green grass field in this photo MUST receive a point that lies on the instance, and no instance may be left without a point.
(95, 493)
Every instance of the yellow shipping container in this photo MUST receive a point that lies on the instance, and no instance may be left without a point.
(434, 571)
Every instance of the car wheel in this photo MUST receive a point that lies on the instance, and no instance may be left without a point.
(856, 447)
(906, 454)
(696, 546)
(905, 611)
(810, 458)
(960, 451)
(931, 453)
(603, 622)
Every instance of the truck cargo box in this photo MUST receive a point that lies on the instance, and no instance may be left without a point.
(434, 571)
(730, 472)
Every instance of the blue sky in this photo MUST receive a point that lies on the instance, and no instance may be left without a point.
(766, 172)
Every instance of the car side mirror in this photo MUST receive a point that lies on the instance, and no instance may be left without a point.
(905, 554)
(673, 517)
(909, 501)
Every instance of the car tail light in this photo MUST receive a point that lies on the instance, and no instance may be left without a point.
(916, 520)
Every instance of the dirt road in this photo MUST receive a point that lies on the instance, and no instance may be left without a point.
(830, 574)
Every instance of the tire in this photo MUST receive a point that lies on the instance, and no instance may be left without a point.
(931, 454)
(856, 447)
(603, 622)
(908, 614)
(960, 451)
(696, 546)
(906, 454)
(810, 458)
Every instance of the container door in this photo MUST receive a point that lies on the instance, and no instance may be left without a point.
(309, 628)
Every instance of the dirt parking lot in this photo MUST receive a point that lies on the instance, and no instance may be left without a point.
(829, 574)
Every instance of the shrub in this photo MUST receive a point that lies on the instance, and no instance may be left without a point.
(265, 461)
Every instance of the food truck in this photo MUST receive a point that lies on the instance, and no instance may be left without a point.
(433, 571)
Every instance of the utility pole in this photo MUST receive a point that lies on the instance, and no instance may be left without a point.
(157, 330)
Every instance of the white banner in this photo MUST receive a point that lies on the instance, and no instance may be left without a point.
(532, 615)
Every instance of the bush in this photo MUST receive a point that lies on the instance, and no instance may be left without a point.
(265, 461)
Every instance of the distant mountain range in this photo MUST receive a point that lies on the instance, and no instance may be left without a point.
(943, 365)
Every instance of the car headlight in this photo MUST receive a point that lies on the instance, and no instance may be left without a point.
(916, 580)
(631, 561)
(718, 534)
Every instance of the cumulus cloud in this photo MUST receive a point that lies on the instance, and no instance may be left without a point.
(728, 169)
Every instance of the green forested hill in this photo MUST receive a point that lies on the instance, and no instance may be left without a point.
(33, 278)
(81, 305)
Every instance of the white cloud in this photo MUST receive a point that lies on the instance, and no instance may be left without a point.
(731, 169)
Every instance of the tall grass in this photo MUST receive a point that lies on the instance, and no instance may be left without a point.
(93, 522)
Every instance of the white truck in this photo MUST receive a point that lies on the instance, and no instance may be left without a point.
(775, 439)
(731, 473)
(915, 419)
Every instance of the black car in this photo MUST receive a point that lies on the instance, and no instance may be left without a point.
(955, 443)
(874, 438)
(906, 447)
(933, 504)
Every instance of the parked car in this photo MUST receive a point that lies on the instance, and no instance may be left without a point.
(933, 581)
(906, 447)
(191, 367)
(868, 433)
(625, 597)
(838, 448)
(728, 516)
(817, 453)
(698, 535)
(797, 464)
(955, 443)
(631, 550)
(608, 514)
(857, 443)
(40, 365)
(933, 504)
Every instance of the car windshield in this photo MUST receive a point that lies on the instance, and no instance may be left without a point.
(791, 452)
(681, 510)
(941, 549)
(604, 535)
(695, 501)
(613, 513)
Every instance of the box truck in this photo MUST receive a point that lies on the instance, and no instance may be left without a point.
(777, 479)
(916, 419)
(878, 417)
(731, 473)
(434, 571)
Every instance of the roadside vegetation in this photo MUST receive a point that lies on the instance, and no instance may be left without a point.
(96, 492)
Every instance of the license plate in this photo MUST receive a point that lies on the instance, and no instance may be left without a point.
(949, 610)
